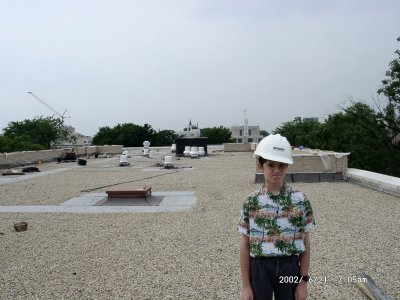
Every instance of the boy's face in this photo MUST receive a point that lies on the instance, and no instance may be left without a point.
(274, 171)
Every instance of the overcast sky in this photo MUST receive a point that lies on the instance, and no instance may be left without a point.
(165, 62)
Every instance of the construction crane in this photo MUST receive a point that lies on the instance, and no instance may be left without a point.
(62, 116)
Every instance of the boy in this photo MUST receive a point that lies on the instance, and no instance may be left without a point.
(275, 223)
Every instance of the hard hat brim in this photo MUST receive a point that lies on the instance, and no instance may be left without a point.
(275, 158)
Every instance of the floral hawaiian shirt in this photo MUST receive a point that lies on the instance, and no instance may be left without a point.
(276, 225)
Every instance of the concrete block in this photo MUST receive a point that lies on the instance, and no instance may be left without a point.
(338, 176)
(326, 177)
(237, 147)
(289, 178)
(259, 178)
(312, 162)
(306, 177)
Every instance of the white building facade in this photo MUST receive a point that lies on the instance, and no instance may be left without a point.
(239, 134)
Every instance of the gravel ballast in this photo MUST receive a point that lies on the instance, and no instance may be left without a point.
(182, 255)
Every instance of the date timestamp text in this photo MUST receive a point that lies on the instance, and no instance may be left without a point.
(298, 279)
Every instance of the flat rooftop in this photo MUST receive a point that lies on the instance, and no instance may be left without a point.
(191, 253)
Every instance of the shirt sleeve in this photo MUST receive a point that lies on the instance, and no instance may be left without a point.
(309, 214)
(243, 225)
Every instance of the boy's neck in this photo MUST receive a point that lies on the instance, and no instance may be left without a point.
(274, 188)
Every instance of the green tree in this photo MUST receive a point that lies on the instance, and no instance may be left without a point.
(217, 135)
(104, 136)
(264, 133)
(132, 135)
(391, 89)
(164, 137)
(19, 143)
(38, 133)
(303, 132)
(358, 129)
(127, 134)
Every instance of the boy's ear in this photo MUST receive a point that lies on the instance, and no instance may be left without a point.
(260, 166)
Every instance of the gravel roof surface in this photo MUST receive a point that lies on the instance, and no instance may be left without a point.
(182, 255)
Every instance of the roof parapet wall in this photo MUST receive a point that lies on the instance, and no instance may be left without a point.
(376, 181)
(31, 157)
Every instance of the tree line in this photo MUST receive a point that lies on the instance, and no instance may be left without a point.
(43, 133)
(131, 135)
(370, 134)
(39, 133)
(357, 129)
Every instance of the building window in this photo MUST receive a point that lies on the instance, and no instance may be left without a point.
(249, 131)
(239, 140)
(241, 132)
(250, 140)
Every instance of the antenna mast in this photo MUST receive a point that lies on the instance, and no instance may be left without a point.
(246, 128)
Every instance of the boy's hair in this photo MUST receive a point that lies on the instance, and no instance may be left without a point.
(261, 160)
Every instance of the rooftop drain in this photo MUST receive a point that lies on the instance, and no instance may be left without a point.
(22, 226)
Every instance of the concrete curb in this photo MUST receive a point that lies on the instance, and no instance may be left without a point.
(376, 181)
(92, 203)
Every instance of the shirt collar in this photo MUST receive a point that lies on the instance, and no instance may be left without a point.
(275, 198)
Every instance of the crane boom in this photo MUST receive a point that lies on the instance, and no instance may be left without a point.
(49, 107)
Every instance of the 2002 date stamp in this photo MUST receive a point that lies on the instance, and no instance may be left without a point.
(323, 279)
(298, 279)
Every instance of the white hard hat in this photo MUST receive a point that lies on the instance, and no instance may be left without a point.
(275, 147)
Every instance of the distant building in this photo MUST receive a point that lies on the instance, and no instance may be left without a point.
(190, 131)
(315, 119)
(81, 140)
(239, 134)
